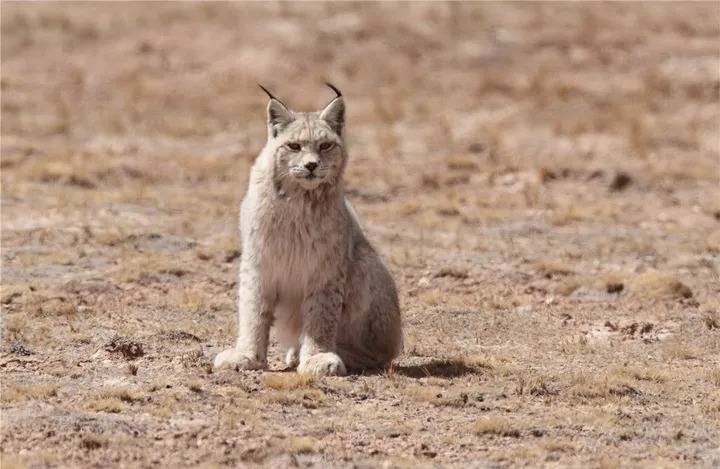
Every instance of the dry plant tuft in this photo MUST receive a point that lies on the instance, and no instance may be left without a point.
(680, 350)
(300, 445)
(646, 373)
(654, 284)
(608, 283)
(435, 396)
(288, 381)
(592, 386)
(714, 376)
(17, 393)
(493, 425)
(533, 386)
(552, 268)
(606, 462)
(309, 398)
(123, 394)
(564, 446)
(110, 405)
(461, 162)
(92, 442)
(195, 385)
(30, 459)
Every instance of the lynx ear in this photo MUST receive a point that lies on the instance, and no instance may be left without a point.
(334, 112)
(278, 114)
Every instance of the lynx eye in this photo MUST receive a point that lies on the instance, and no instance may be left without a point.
(325, 146)
(294, 146)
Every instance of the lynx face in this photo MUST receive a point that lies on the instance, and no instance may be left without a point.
(308, 152)
(309, 146)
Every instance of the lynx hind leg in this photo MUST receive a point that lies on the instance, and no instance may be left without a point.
(287, 330)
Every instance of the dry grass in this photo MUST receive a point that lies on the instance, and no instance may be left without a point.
(653, 284)
(195, 385)
(461, 163)
(301, 445)
(714, 376)
(435, 396)
(547, 204)
(680, 350)
(32, 459)
(111, 405)
(29, 392)
(287, 381)
(645, 373)
(562, 446)
(309, 398)
(589, 386)
(497, 426)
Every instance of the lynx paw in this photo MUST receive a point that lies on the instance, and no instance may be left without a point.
(243, 361)
(323, 364)
(292, 358)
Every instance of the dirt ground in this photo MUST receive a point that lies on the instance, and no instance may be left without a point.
(543, 180)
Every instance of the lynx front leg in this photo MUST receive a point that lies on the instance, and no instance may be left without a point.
(255, 311)
(321, 312)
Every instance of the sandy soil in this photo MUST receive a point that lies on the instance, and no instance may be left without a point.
(543, 180)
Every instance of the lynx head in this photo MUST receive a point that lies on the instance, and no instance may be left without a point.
(308, 147)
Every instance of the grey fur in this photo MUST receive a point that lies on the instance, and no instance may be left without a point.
(307, 269)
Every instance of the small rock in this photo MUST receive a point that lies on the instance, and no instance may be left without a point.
(231, 255)
(128, 348)
(621, 181)
(424, 282)
(19, 348)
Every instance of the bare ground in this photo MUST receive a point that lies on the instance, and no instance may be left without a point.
(543, 180)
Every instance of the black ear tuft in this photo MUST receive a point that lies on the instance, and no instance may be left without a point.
(334, 112)
(332, 87)
(267, 92)
(278, 114)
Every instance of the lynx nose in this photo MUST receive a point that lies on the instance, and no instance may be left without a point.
(310, 166)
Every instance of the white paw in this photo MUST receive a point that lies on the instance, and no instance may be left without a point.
(241, 360)
(323, 364)
(292, 358)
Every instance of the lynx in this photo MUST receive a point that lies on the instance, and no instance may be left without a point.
(307, 270)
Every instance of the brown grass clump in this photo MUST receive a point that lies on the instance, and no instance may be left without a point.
(606, 462)
(114, 400)
(434, 396)
(552, 268)
(593, 387)
(111, 405)
(533, 386)
(287, 381)
(17, 393)
(680, 350)
(651, 284)
(564, 446)
(642, 374)
(309, 398)
(461, 163)
(495, 426)
(609, 283)
(300, 445)
(195, 385)
(714, 376)
(32, 459)
(654, 284)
